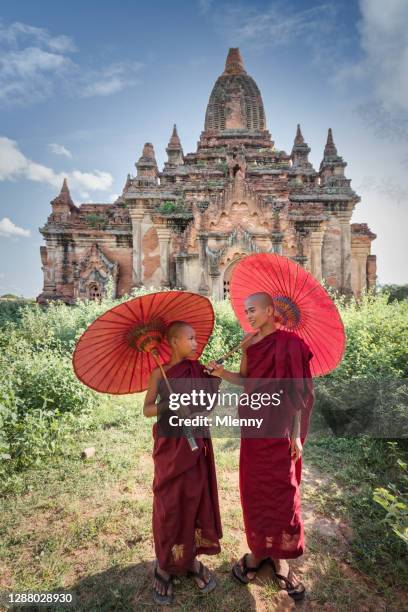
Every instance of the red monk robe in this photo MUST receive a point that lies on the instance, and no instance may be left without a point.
(186, 514)
(269, 477)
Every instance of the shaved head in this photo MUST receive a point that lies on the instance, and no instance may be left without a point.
(173, 330)
(262, 298)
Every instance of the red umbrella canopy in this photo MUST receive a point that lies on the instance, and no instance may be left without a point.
(114, 354)
(302, 305)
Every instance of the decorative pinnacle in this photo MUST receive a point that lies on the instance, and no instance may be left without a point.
(299, 136)
(234, 63)
(330, 148)
(64, 188)
(64, 196)
(174, 142)
(148, 151)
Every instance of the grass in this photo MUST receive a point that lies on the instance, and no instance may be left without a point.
(84, 526)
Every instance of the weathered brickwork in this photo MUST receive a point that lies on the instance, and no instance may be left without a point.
(188, 225)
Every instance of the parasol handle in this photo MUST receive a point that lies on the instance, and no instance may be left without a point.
(187, 430)
(221, 360)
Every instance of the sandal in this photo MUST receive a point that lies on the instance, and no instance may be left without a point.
(240, 573)
(208, 586)
(166, 599)
(290, 588)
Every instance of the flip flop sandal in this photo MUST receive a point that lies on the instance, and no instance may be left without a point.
(290, 588)
(162, 600)
(240, 573)
(209, 586)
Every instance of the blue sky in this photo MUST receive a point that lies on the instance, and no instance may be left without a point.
(84, 85)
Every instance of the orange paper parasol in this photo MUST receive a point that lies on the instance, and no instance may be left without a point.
(121, 347)
(302, 305)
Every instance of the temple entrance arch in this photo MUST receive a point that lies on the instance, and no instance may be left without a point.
(227, 275)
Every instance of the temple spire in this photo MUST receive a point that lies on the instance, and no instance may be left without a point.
(300, 150)
(64, 196)
(147, 165)
(330, 148)
(63, 199)
(174, 149)
(299, 136)
(332, 165)
(64, 188)
(234, 63)
(174, 139)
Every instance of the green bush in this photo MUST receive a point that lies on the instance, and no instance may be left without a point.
(394, 496)
(41, 401)
(10, 310)
(368, 391)
(395, 292)
(227, 333)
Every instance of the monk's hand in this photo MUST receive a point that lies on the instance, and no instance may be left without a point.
(296, 448)
(183, 411)
(214, 368)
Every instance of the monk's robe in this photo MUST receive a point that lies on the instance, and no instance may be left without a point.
(186, 514)
(269, 477)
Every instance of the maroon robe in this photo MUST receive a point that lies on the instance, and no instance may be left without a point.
(186, 514)
(269, 477)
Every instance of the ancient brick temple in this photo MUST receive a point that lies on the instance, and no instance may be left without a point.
(187, 225)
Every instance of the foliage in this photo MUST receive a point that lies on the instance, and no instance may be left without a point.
(227, 333)
(41, 400)
(395, 292)
(394, 499)
(368, 391)
(167, 207)
(97, 221)
(10, 310)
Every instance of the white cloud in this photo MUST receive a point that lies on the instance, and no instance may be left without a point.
(8, 228)
(384, 43)
(34, 66)
(59, 150)
(18, 32)
(12, 161)
(93, 181)
(14, 166)
(111, 79)
(278, 25)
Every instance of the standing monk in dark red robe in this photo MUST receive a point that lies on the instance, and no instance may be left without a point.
(270, 467)
(186, 515)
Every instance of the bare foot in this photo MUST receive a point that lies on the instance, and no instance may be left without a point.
(251, 561)
(282, 567)
(195, 567)
(159, 586)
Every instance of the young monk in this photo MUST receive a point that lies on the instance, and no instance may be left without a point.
(270, 467)
(186, 515)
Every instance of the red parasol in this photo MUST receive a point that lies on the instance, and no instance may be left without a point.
(121, 347)
(302, 305)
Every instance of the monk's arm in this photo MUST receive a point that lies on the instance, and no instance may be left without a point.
(150, 406)
(235, 378)
(296, 425)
